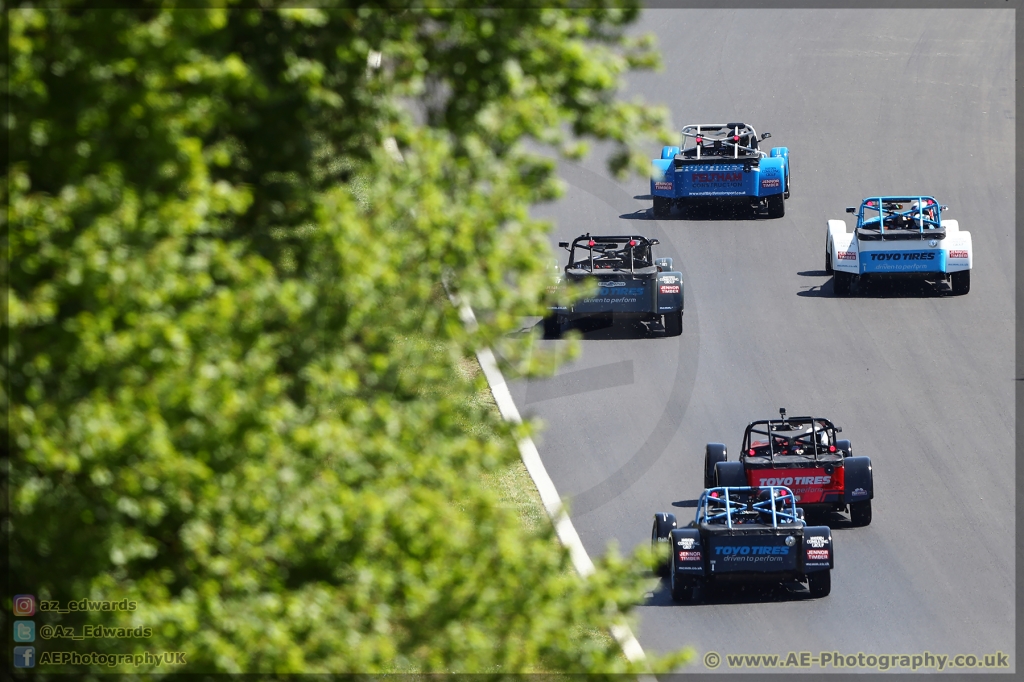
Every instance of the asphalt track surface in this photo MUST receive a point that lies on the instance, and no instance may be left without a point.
(868, 102)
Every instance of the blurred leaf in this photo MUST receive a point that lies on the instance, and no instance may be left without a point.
(232, 374)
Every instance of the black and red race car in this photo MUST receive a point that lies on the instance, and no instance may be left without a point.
(805, 455)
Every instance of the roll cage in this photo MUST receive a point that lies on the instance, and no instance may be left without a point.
(618, 252)
(813, 437)
(883, 215)
(736, 506)
(736, 140)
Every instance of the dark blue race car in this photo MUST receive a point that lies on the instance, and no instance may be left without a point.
(743, 535)
(629, 284)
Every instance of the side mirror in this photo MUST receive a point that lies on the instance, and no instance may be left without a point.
(654, 242)
(765, 136)
(851, 209)
(564, 245)
(945, 208)
(839, 429)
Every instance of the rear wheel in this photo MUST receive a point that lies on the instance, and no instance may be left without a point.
(674, 323)
(662, 206)
(713, 454)
(730, 475)
(681, 592)
(787, 185)
(552, 327)
(961, 282)
(828, 261)
(776, 206)
(841, 283)
(820, 583)
(860, 513)
(660, 539)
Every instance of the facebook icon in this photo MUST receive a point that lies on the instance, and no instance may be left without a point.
(24, 657)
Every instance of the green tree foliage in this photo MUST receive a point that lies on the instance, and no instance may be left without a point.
(230, 372)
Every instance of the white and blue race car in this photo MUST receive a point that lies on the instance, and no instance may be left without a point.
(898, 236)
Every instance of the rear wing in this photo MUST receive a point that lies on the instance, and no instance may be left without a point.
(725, 505)
(721, 139)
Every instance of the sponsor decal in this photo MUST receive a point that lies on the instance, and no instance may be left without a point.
(818, 554)
(718, 193)
(686, 543)
(630, 291)
(771, 182)
(958, 254)
(663, 185)
(817, 541)
(846, 255)
(669, 279)
(716, 177)
(770, 171)
(689, 556)
(670, 288)
(797, 480)
(716, 167)
(859, 492)
(745, 550)
(905, 255)
(611, 283)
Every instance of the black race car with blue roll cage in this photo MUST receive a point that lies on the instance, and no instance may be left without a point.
(743, 535)
(631, 284)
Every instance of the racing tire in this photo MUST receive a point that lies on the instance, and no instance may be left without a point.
(841, 282)
(820, 583)
(845, 446)
(828, 263)
(713, 454)
(674, 323)
(860, 513)
(730, 475)
(776, 206)
(552, 327)
(662, 207)
(961, 282)
(662, 528)
(681, 593)
(786, 195)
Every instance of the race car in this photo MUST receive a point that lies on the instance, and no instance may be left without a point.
(804, 454)
(742, 535)
(898, 236)
(721, 163)
(630, 284)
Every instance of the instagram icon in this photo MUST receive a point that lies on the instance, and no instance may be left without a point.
(24, 605)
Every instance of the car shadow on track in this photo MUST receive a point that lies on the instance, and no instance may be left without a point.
(834, 520)
(896, 288)
(765, 593)
(698, 213)
(605, 330)
(692, 504)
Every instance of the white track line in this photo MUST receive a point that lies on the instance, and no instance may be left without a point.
(566, 532)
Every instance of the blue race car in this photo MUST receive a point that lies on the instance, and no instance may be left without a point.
(898, 237)
(719, 163)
